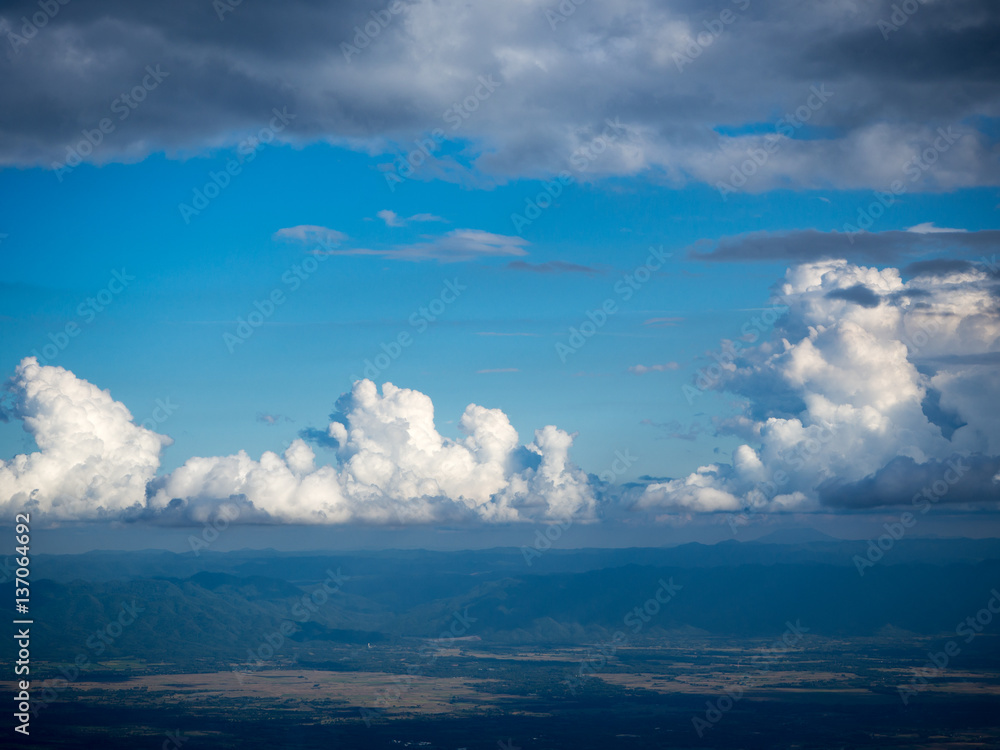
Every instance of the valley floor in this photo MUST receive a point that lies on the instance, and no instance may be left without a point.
(708, 692)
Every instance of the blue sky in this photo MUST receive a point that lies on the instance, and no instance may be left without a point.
(651, 182)
(163, 336)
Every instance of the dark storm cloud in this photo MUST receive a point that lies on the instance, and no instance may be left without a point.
(859, 294)
(960, 479)
(939, 43)
(937, 267)
(373, 75)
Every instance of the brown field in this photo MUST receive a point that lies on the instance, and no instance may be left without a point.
(709, 683)
(391, 693)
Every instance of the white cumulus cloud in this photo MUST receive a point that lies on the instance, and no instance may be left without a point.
(93, 460)
(392, 465)
(864, 379)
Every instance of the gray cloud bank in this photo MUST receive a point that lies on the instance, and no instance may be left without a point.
(697, 87)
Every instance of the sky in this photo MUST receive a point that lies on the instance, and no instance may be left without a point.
(411, 272)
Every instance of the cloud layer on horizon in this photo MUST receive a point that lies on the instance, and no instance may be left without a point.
(94, 463)
(869, 390)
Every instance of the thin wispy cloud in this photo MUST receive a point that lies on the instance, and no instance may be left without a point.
(271, 419)
(392, 219)
(455, 246)
(928, 227)
(310, 234)
(662, 322)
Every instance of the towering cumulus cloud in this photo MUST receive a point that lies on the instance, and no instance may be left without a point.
(393, 465)
(870, 391)
(93, 461)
